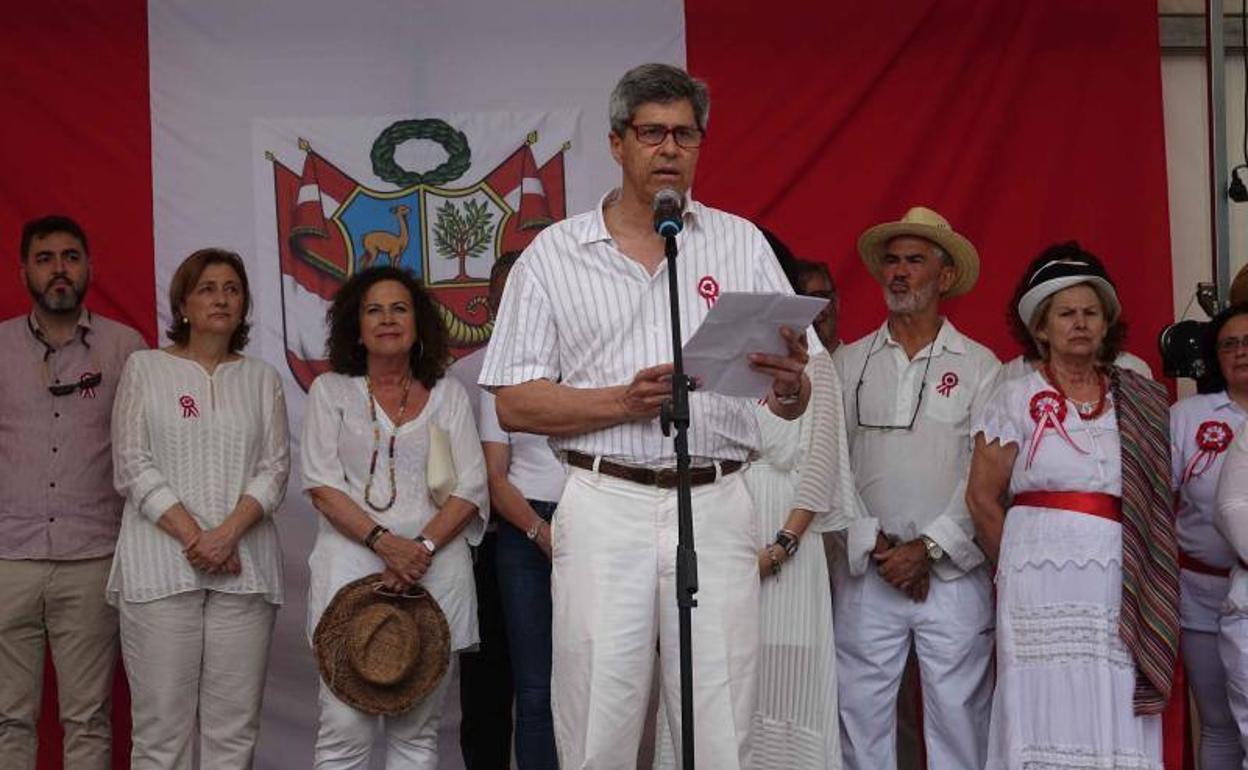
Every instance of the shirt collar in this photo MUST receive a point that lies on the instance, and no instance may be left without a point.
(948, 339)
(36, 331)
(595, 228)
(1222, 400)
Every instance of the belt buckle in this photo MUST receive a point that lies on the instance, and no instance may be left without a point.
(666, 477)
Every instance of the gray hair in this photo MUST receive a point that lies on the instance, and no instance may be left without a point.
(939, 252)
(658, 83)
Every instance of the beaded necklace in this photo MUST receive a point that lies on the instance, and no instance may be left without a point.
(372, 466)
(1087, 410)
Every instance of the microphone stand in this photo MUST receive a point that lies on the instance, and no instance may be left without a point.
(675, 413)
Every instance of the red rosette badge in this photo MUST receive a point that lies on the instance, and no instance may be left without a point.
(708, 289)
(189, 407)
(1048, 410)
(85, 386)
(1213, 437)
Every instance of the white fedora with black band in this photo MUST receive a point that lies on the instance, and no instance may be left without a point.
(1060, 274)
(921, 222)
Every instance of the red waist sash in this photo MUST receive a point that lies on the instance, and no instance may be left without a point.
(1091, 503)
(1192, 564)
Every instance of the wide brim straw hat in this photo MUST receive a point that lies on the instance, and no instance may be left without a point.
(381, 652)
(922, 222)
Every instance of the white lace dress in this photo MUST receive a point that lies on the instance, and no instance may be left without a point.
(1065, 680)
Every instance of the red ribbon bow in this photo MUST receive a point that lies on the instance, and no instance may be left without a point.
(1212, 439)
(1048, 410)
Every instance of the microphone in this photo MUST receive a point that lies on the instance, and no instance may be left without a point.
(668, 205)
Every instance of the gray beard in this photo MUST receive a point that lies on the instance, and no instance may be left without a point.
(912, 301)
(59, 304)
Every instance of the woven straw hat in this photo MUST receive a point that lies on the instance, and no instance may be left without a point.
(381, 652)
(923, 223)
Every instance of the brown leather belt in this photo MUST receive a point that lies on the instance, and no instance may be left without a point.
(664, 478)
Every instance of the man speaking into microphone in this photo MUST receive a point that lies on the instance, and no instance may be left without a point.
(582, 351)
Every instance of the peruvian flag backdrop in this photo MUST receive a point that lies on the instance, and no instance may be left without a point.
(172, 125)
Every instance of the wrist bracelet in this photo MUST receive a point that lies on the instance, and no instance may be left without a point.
(788, 540)
(535, 530)
(373, 536)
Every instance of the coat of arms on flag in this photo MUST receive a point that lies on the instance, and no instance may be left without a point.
(329, 226)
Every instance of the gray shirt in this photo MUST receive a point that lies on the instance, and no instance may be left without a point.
(56, 465)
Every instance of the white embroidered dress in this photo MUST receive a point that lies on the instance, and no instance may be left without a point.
(1065, 680)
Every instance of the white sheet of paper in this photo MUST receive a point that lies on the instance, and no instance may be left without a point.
(742, 323)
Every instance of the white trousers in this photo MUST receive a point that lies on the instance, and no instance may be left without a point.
(196, 658)
(1219, 737)
(953, 638)
(614, 595)
(1233, 649)
(344, 736)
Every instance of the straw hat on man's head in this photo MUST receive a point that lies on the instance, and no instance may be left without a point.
(381, 652)
(923, 223)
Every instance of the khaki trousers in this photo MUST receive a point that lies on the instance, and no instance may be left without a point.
(196, 659)
(62, 602)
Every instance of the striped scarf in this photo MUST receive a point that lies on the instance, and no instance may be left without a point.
(1149, 620)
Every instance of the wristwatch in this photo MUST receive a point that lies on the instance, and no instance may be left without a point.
(934, 551)
(429, 545)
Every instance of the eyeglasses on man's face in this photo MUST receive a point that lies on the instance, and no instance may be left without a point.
(654, 134)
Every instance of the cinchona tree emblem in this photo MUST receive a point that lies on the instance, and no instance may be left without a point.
(462, 233)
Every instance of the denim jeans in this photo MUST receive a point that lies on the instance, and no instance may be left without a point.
(524, 584)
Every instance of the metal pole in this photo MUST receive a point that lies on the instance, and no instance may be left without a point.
(1215, 81)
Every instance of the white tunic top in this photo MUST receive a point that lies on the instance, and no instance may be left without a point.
(913, 482)
(534, 468)
(337, 448)
(1231, 518)
(1202, 596)
(580, 312)
(183, 436)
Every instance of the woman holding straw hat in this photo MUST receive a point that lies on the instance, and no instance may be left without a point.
(378, 431)
(1087, 579)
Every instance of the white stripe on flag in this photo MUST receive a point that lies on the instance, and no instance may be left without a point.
(531, 185)
(305, 320)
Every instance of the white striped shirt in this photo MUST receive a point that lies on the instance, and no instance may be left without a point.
(580, 312)
(183, 436)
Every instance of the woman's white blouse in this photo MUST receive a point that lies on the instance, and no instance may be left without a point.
(336, 450)
(183, 436)
(1231, 518)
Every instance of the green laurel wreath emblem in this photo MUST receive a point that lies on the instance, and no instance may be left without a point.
(459, 157)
